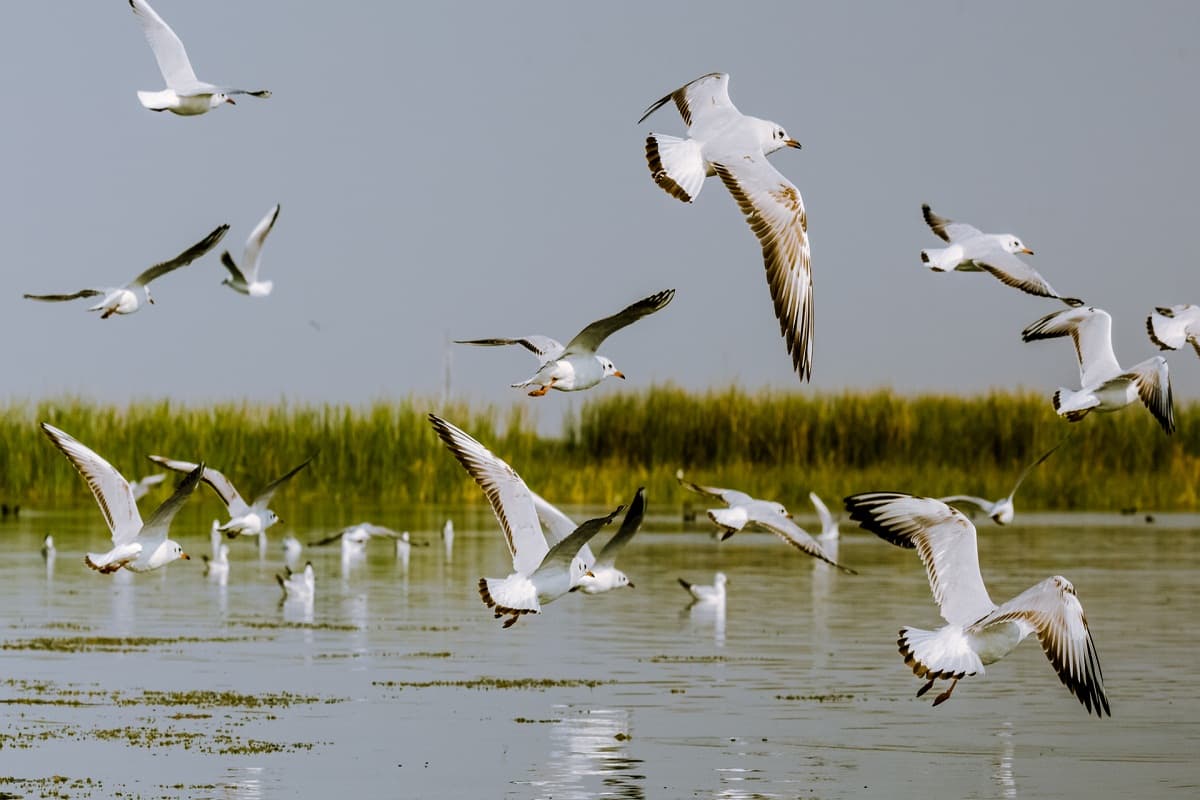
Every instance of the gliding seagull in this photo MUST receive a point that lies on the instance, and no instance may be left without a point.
(245, 281)
(1172, 327)
(1002, 510)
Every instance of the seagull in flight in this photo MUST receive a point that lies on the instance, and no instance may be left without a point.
(577, 366)
(124, 299)
(354, 538)
(245, 280)
(743, 510)
(977, 631)
(1172, 327)
(724, 142)
(244, 519)
(137, 546)
(1105, 386)
(972, 250)
(601, 573)
(142, 486)
(541, 573)
(185, 94)
(1001, 511)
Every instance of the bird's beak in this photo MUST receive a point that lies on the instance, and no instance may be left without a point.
(619, 374)
(1026, 251)
(792, 143)
(185, 555)
(230, 101)
(630, 585)
(788, 515)
(590, 574)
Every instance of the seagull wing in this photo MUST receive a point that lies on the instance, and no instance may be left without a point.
(775, 212)
(254, 244)
(828, 524)
(381, 531)
(58, 298)
(264, 497)
(1154, 388)
(1012, 271)
(796, 536)
(559, 526)
(1025, 472)
(156, 527)
(331, 538)
(219, 483)
(730, 497)
(1053, 610)
(168, 50)
(110, 489)
(511, 500)
(986, 506)
(231, 265)
(1091, 331)
(700, 101)
(947, 229)
(629, 526)
(562, 554)
(591, 337)
(943, 538)
(545, 348)
(1171, 327)
(183, 259)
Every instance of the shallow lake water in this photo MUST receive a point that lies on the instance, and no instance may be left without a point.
(399, 683)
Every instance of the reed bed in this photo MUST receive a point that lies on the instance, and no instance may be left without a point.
(771, 443)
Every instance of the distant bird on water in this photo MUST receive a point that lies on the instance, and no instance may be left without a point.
(707, 594)
(185, 94)
(724, 142)
(124, 299)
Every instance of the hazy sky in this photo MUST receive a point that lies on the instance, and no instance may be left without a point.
(475, 170)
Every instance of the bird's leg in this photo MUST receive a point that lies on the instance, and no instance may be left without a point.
(541, 390)
(921, 692)
(108, 312)
(944, 696)
(508, 623)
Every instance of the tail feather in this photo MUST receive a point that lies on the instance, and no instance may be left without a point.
(684, 584)
(676, 165)
(1072, 405)
(937, 654)
(101, 563)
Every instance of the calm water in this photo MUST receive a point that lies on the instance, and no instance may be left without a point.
(391, 684)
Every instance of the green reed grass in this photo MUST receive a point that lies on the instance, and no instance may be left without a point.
(770, 443)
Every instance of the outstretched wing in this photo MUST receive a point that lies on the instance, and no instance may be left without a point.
(775, 213)
(591, 337)
(232, 266)
(168, 50)
(110, 489)
(58, 298)
(559, 526)
(730, 497)
(1053, 610)
(254, 244)
(264, 497)
(183, 259)
(947, 229)
(629, 526)
(219, 483)
(828, 523)
(562, 554)
(1090, 329)
(156, 527)
(1025, 472)
(545, 348)
(1154, 388)
(1012, 271)
(796, 536)
(943, 538)
(700, 101)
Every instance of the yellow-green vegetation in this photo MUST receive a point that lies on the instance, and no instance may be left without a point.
(779, 444)
(496, 683)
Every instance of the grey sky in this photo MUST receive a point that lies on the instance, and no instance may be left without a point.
(476, 170)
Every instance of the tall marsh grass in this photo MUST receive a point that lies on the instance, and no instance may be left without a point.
(774, 444)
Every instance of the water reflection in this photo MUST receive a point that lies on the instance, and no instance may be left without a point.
(705, 617)
(1003, 773)
(589, 756)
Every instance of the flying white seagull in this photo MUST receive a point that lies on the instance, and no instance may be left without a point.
(707, 594)
(540, 573)
(245, 280)
(184, 95)
(124, 299)
(978, 632)
(136, 546)
(972, 250)
(1172, 327)
(1001, 511)
(298, 586)
(601, 573)
(244, 520)
(1104, 386)
(142, 486)
(724, 142)
(577, 366)
(354, 538)
(744, 510)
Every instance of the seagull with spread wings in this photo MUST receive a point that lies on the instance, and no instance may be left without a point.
(601, 573)
(1104, 385)
(577, 366)
(972, 250)
(137, 546)
(124, 299)
(541, 573)
(354, 538)
(1172, 327)
(185, 94)
(743, 510)
(251, 519)
(724, 142)
(1002, 510)
(977, 631)
(244, 279)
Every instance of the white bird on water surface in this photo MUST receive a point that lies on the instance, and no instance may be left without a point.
(541, 573)
(724, 142)
(978, 632)
(136, 546)
(1172, 327)
(245, 279)
(48, 550)
(744, 510)
(185, 94)
(216, 567)
(972, 250)
(577, 366)
(403, 549)
(244, 520)
(1002, 510)
(707, 594)
(601, 574)
(1104, 386)
(124, 299)
(298, 586)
